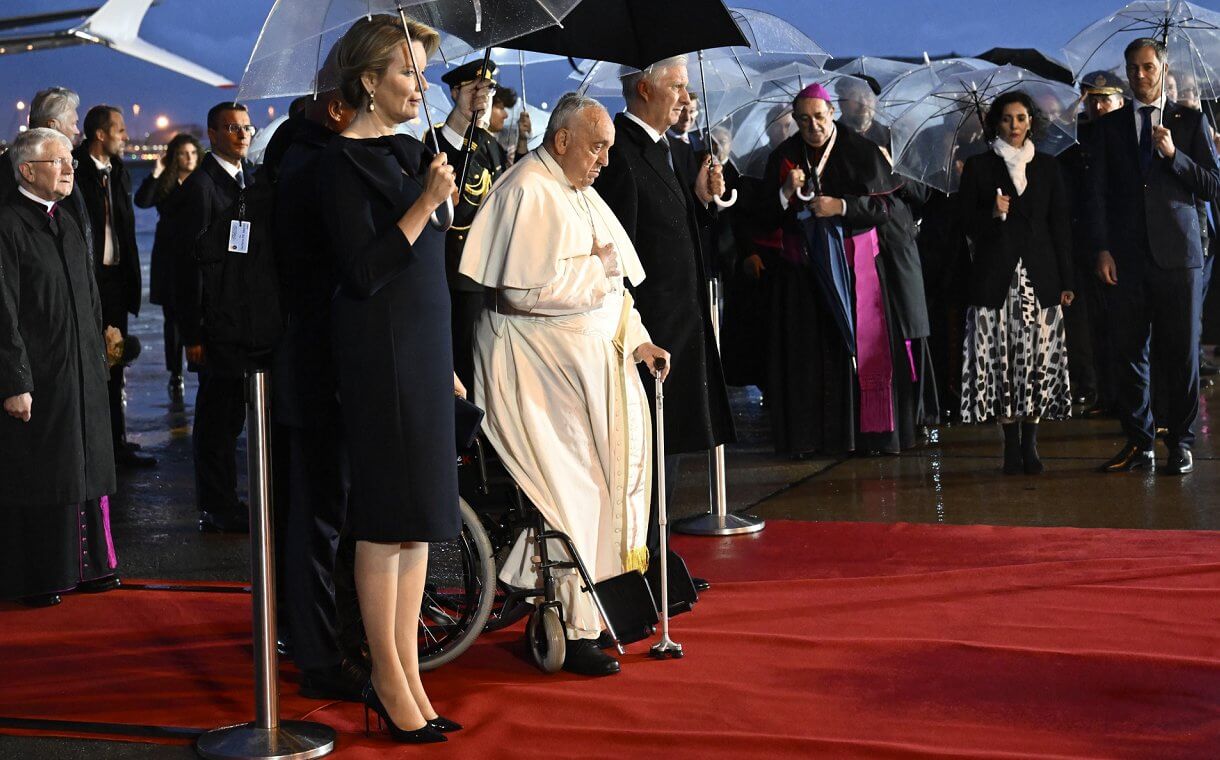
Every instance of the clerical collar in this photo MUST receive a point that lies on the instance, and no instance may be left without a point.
(102, 166)
(652, 133)
(555, 169)
(40, 201)
(230, 168)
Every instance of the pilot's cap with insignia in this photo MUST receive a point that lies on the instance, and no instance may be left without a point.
(1103, 83)
(468, 72)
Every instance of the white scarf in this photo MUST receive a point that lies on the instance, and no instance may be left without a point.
(1015, 159)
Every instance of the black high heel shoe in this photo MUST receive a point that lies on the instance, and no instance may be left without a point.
(425, 735)
(444, 725)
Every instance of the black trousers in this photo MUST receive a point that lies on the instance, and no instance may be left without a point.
(220, 415)
(467, 307)
(1078, 322)
(173, 341)
(113, 296)
(1155, 317)
(312, 526)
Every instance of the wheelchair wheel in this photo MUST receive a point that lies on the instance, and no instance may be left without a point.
(544, 635)
(458, 593)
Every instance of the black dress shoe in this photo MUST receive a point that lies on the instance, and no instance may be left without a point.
(701, 584)
(1181, 462)
(132, 459)
(1131, 457)
(98, 585)
(584, 658)
(40, 600)
(224, 522)
(345, 681)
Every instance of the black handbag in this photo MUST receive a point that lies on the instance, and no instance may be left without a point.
(468, 418)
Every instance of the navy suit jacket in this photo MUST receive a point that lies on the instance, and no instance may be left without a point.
(1136, 214)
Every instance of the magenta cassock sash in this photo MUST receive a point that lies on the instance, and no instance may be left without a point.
(875, 363)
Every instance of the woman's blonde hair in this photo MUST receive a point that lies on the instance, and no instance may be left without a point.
(369, 47)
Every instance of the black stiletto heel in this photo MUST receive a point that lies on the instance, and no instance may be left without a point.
(425, 735)
(444, 725)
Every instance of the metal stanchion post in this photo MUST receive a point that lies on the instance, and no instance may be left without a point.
(718, 521)
(267, 738)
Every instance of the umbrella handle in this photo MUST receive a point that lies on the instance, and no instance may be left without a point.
(442, 218)
(722, 203)
(800, 193)
(1003, 217)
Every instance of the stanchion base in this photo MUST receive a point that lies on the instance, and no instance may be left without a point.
(293, 740)
(719, 525)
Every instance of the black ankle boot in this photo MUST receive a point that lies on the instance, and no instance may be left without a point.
(1012, 448)
(1029, 448)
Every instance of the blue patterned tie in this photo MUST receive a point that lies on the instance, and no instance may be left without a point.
(1146, 136)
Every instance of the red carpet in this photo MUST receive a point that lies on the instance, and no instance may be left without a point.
(817, 640)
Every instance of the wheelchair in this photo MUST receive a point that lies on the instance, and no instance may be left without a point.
(463, 595)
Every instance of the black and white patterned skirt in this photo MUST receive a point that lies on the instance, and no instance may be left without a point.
(1015, 359)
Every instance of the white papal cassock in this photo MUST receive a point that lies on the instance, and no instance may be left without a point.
(554, 370)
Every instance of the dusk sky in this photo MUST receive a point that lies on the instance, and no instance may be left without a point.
(219, 34)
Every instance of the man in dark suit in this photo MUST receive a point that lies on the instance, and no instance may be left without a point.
(1152, 167)
(210, 196)
(661, 206)
(106, 186)
(306, 403)
(470, 87)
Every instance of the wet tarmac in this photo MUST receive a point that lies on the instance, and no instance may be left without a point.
(954, 477)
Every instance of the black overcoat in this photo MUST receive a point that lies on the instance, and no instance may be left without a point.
(392, 342)
(122, 220)
(51, 347)
(1036, 231)
(161, 263)
(660, 214)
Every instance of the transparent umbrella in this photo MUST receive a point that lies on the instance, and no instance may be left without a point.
(298, 36)
(883, 71)
(933, 137)
(1190, 34)
(757, 127)
(508, 58)
(915, 84)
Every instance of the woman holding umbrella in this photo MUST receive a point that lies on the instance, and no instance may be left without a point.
(391, 337)
(1014, 210)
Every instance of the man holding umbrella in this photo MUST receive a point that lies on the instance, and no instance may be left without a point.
(840, 374)
(470, 86)
(662, 207)
(1152, 168)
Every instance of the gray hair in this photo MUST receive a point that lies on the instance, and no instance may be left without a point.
(566, 110)
(52, 104)
(28, 146)
(651, 75)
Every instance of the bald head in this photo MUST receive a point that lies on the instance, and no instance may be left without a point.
(579, 137)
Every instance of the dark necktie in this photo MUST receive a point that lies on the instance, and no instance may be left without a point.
(241, 178)
(669, 156)
(107, 219)
(1146, 136)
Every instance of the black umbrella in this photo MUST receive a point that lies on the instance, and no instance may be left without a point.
(1030, 59)
(636, 33)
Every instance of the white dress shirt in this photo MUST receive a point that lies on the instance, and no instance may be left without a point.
(108, 237)
(1159, 105)
(36, 199)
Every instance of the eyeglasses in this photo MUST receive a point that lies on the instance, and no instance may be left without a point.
(233, 129)
(58, 162)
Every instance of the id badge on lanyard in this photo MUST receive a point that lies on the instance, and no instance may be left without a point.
(239, 229)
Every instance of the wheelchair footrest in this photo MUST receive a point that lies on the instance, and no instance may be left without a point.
(628, 602)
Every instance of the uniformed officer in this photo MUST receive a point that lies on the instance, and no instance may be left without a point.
(471, 88)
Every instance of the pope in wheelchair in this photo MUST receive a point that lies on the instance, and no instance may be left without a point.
(554, 368)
